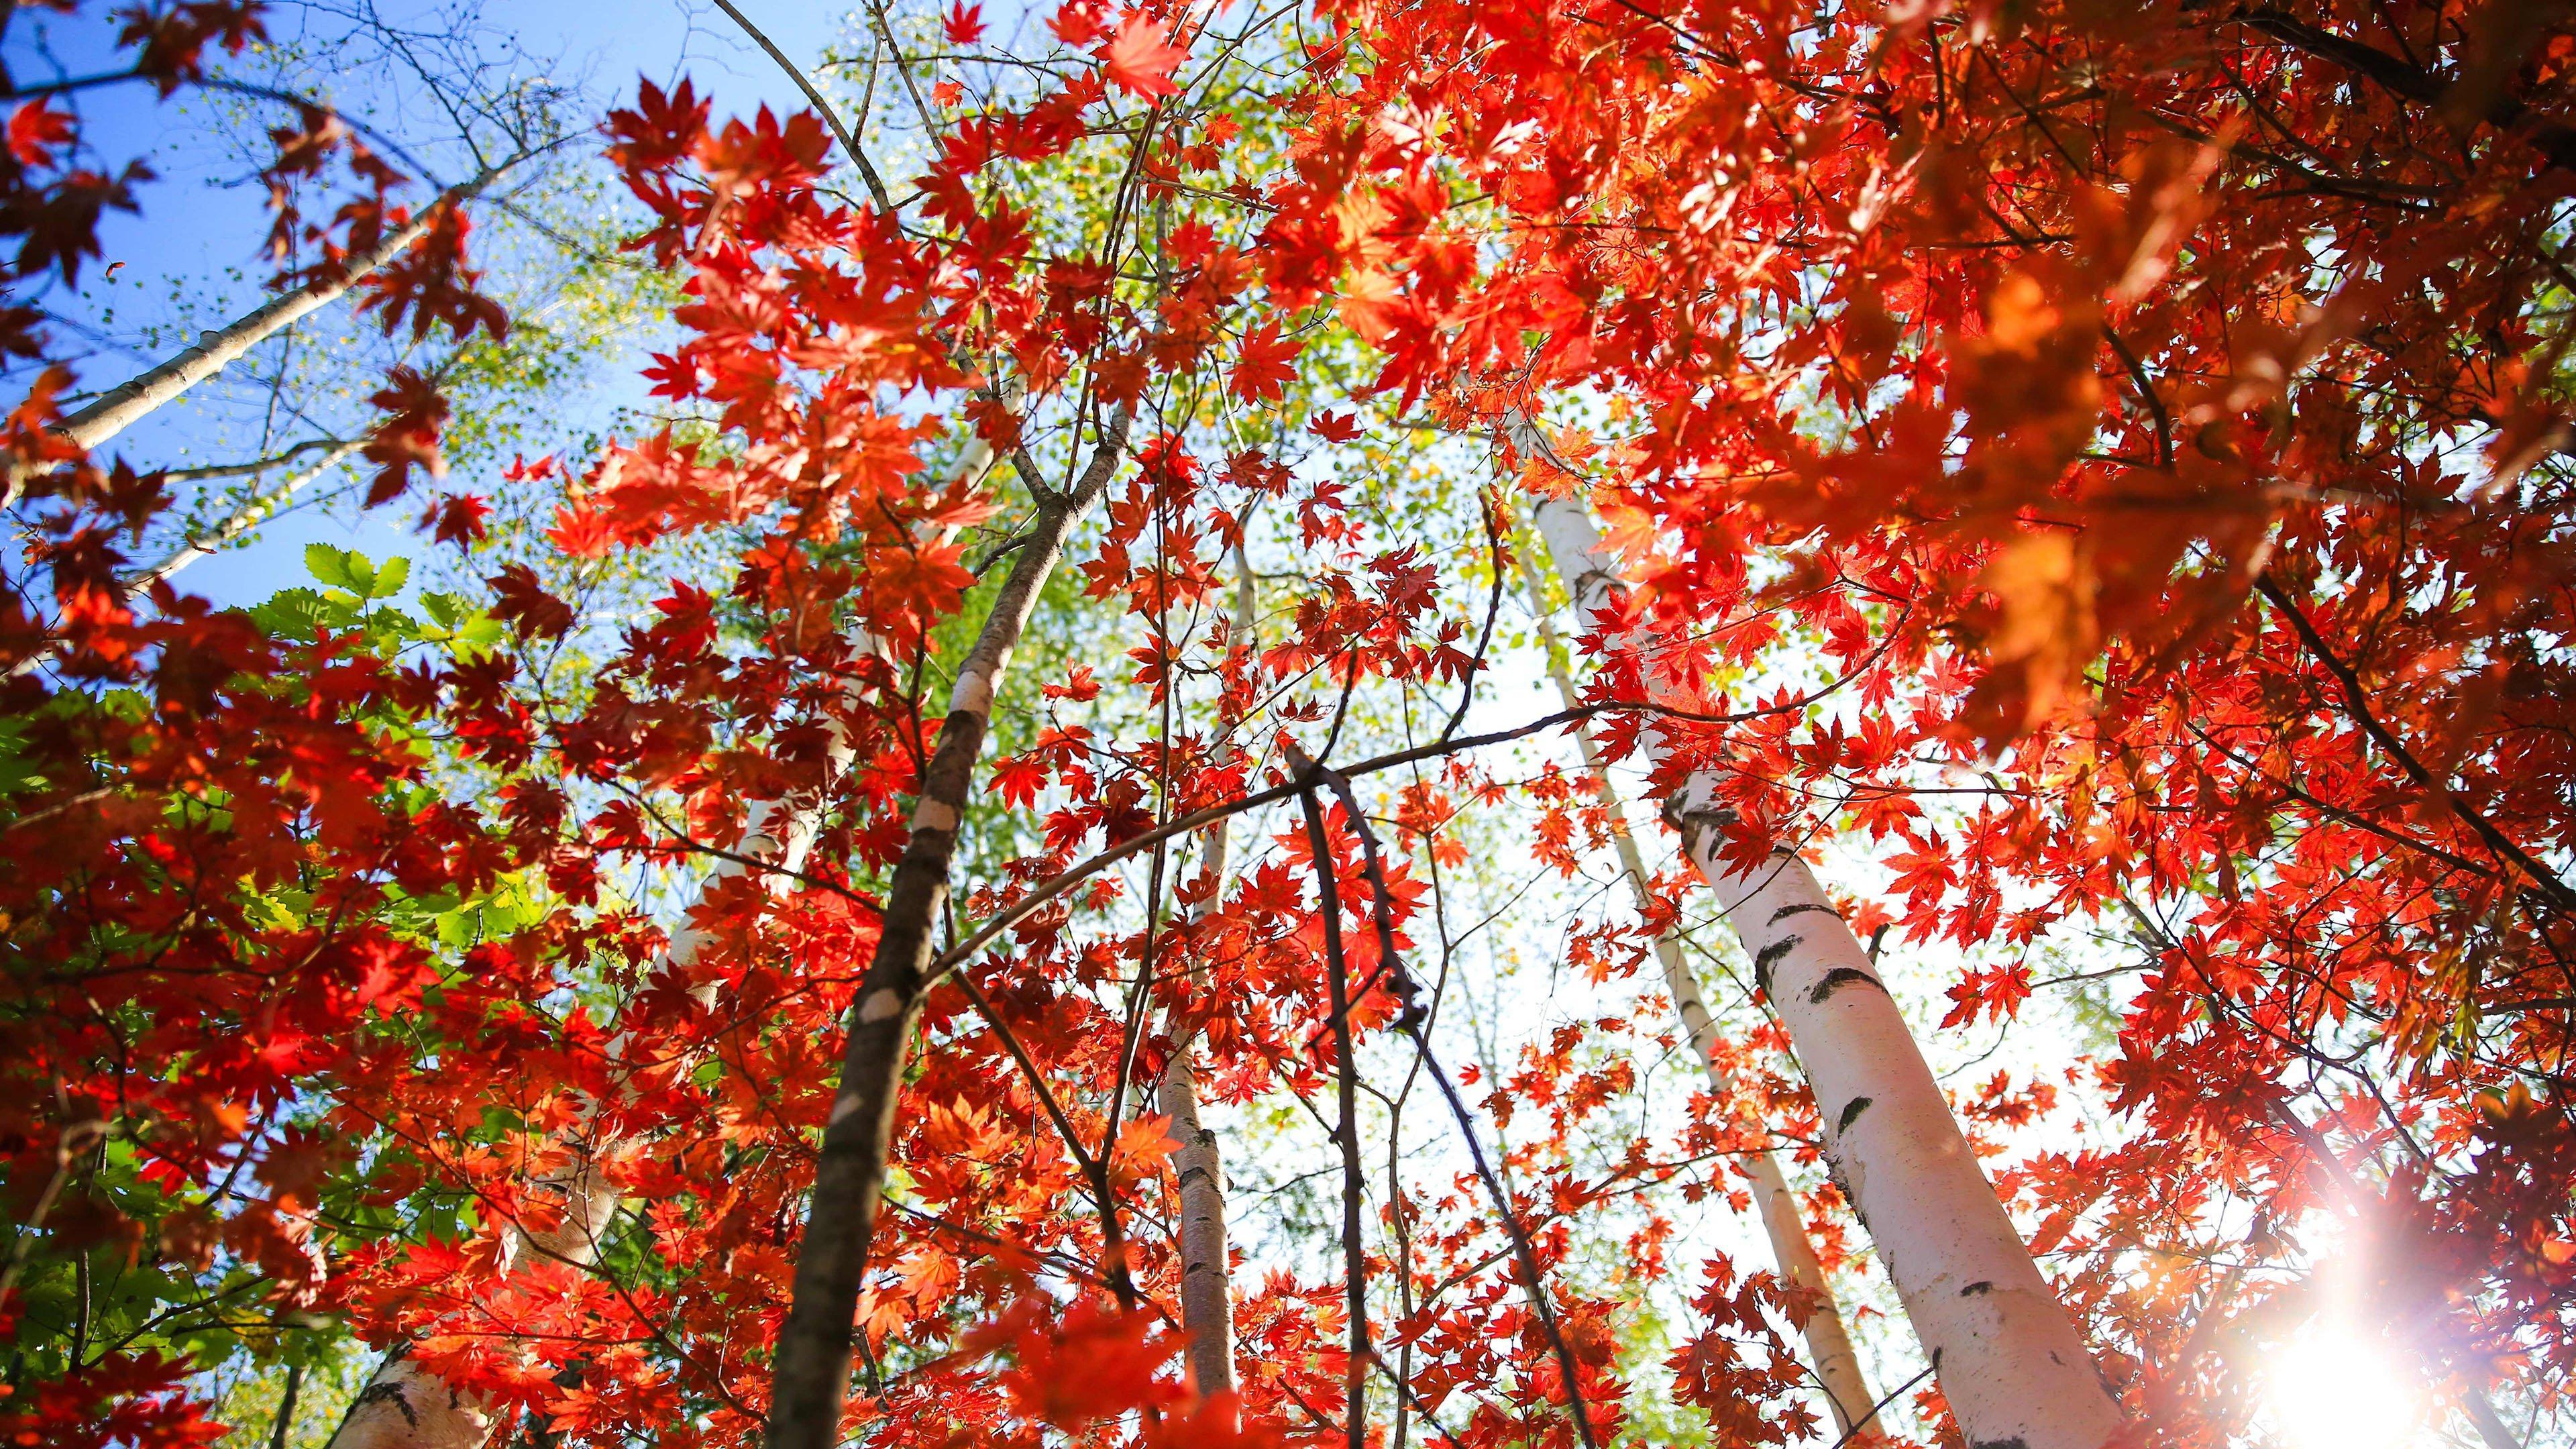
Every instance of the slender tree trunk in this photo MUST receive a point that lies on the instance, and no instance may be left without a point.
(254, 511)
(2010, 1362)
(404, 1406)
(285, 1421)
(812, 1369)
(1207, 1291)
(2491, 1427)
(1207, 1299)
(121, 407)
(1837, 1367)
(250, 515)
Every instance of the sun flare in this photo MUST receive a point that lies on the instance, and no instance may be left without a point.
(2335, 1389)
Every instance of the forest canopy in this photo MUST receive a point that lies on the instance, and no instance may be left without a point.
(1167, 724)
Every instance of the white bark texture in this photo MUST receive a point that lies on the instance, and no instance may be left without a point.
(2010, 1363)
(1207, 1298)
(119, 408)
(1829, 1350)
(404, 1406)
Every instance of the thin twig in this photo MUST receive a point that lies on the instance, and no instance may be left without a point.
(1328, 908)
(831, 118)
(1410, 1021)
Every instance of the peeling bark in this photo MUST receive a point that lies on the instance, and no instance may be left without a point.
(1207, 1299)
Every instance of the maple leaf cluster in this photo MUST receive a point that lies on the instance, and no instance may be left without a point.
(234, 788)
(2103, 370)
(2047, 453)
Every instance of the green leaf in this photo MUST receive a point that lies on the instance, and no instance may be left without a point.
(330, 565)
(292, 613)
(15, 774)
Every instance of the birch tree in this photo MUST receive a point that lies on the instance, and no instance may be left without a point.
(2010, 1361)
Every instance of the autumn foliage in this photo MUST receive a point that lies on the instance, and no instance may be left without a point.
(2091, 474)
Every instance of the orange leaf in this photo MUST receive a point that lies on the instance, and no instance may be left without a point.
(1139, 61)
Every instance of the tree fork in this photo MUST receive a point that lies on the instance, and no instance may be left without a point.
(2009, 1360)
(1413, 1019)
(812, 1370)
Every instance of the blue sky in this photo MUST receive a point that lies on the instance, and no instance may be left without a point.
(193, 252)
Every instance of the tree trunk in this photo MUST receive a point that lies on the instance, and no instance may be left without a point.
(255, 510)
(1207, 1298)
(2009, 1360)
(121, 407)
(1837, 1368)
(1207, 1290)
(404, 1406)
(812, 1368)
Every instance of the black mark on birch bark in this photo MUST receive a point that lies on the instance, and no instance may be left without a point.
(1838, 978)
(1768, 957)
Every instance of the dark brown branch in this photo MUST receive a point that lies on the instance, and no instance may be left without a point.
(1328, 908)
(1493, 611)
(2408, 81)
(253, 467)
(1095, 1169)
(1411, 1020)
(1055, 886)
(831, 118)
(2357, 704)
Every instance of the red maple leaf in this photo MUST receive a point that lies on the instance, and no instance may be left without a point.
(1017, 779)
(1336, 428)
(1267, 366)
(409, 436)
(457, 518)
(1139, 61)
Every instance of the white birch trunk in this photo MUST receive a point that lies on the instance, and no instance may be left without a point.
(121, 407)
(1207, 1298)
(256, 510)
(2009, 1360)
(1207, 1294)
(1837, 1368)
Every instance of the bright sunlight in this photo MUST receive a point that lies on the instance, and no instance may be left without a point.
(2334, 1388)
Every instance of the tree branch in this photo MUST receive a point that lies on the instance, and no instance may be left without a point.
(2357, 704)
(831, 118)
